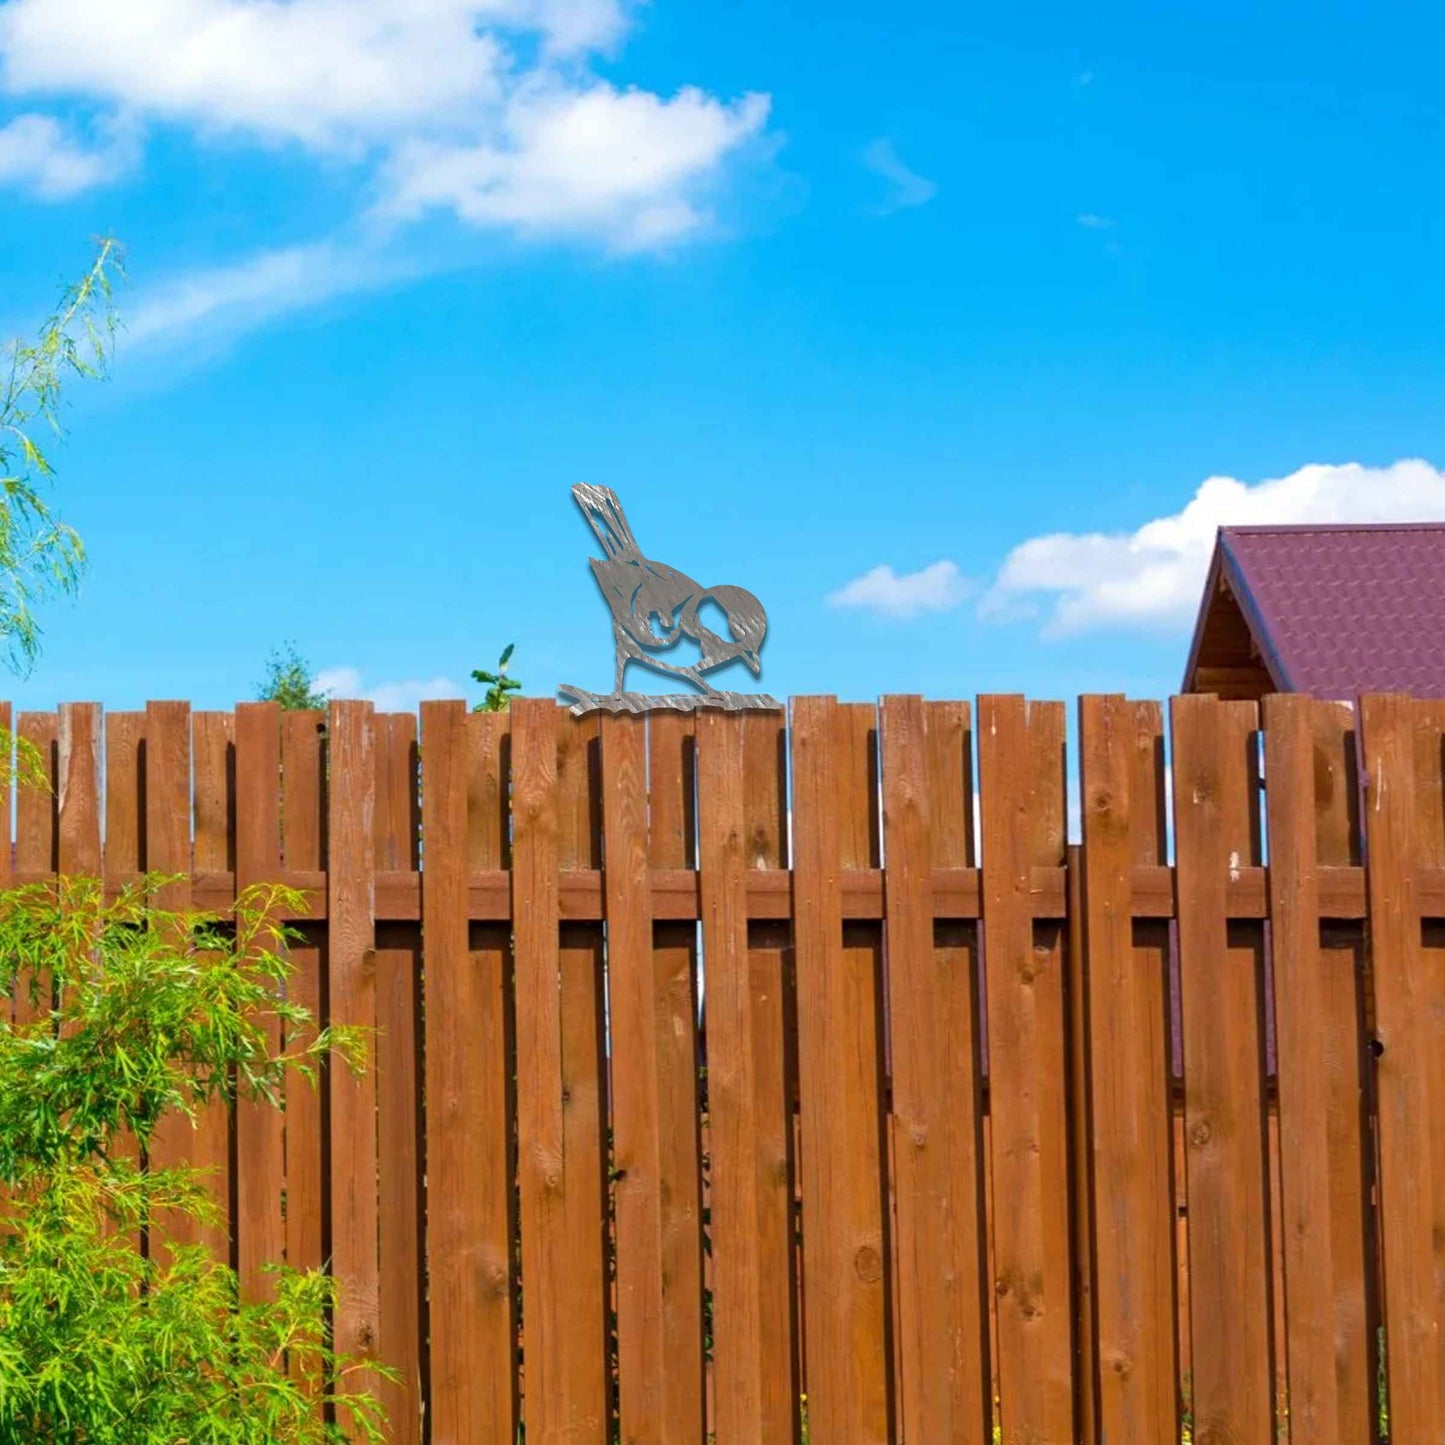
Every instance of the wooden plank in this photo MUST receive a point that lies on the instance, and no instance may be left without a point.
(1328, 1346)
(558, 1096)
(1401, 1073)
(1226, 1158)
(1021, 790)
(671, 845)
(399, 1169)
(202, 1144)
(78, 800)
(942, 1309)
(302, 822)
(473, 1349)
(1136, 1384)
(123, 844)
(1430, 850)
(840, 1063)
(213, 740)
(585, 1097)
(740, 1364)
(260, 1126)
(351, 740)
(1086, 1351)
(641, 1364)
(772, 1013)
(35, 822)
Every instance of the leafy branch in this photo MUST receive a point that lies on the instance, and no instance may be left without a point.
(39, 555)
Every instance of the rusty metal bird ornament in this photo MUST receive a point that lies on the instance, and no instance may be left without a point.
(656, 608)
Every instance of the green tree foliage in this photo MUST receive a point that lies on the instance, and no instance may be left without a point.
(500, 686)
(289, 681)
(39, 555)
(144, 1014)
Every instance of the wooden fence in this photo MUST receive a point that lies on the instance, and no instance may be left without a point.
(722, 1063)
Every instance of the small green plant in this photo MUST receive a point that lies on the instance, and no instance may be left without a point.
(500, 686)
(40, 555)
(289, 681)
(140, 1014)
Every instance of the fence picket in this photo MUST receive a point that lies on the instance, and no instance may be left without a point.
(1220, 976)
(351, 739)
(636, 1171)
(839, 1058)
(398, 1098)
(558, 1087)
(1430, 851)
(1021, 792)
(1130, 1164)
(1324, 1291)
(1412, 1329)
(469, 1194)
(671, 844)
(260, 1127)
(302, 825)
(943, 1369)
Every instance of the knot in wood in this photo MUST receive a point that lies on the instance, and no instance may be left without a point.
(869, 1264)
(1201, 1134)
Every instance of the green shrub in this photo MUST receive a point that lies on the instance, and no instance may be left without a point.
(142, 1013)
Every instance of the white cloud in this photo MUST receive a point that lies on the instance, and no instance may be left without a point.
(935, 588)
(328, 73)
(908, 187)
(1091, 222)
(1153, 577)
(346, 683)
(485, 108)
(39, 155)
(621, 164)
(223, 300)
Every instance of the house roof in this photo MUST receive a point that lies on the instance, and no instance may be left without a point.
(1338, 611)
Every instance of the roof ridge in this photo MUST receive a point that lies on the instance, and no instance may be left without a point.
(1277, 528)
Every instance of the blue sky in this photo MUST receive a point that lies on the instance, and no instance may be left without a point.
(950, 331)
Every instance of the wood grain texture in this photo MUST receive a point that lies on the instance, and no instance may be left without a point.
(671, 843)
(1402, 1073)
(772, 1008)
(942, 1310)
(1326, 1341)
(1430, 850)
(302, 825)
(400, 1202)
(213, 742)
(637, 1187)
(204, 1143)
(351, 741)
(559, 1099)
(740, 1362)
(473, 1348)
(1021, 791)
(1130, 1168)
(1229, 1281)
(260, 1126)
(840, 1063)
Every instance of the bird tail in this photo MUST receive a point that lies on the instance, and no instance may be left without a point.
(602, 509)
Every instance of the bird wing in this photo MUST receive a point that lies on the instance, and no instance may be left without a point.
(604, 512)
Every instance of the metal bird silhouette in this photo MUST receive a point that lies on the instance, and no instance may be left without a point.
(656, 607)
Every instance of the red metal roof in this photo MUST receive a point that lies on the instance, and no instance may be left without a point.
(1343, 610)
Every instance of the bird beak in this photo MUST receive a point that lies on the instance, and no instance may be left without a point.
(754, 662)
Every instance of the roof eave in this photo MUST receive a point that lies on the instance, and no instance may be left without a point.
(1223, 565)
